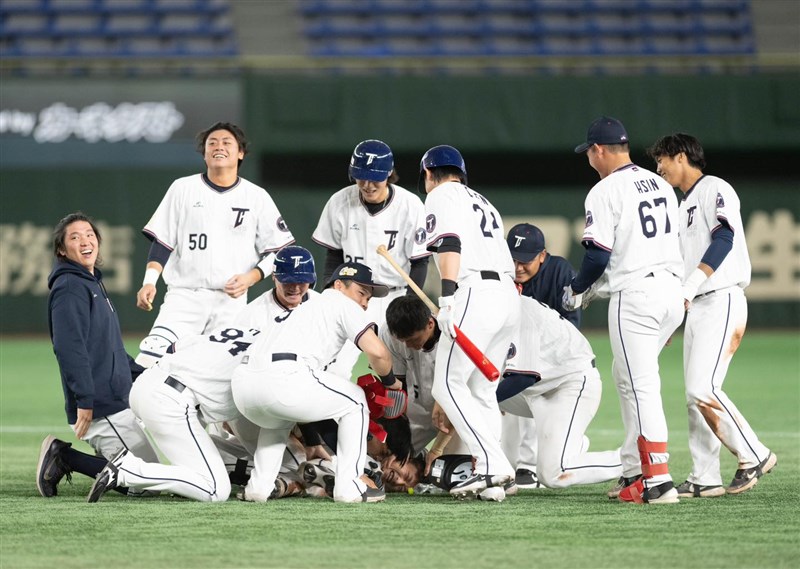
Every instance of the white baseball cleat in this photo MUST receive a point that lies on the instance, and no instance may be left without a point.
(477, 483)
(107, 478)
(493, 494)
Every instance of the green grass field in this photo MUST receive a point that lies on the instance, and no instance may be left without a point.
(576, 527)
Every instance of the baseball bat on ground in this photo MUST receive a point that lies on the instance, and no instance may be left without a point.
(486, 367)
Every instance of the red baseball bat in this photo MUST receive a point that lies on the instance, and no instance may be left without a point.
(471, 350)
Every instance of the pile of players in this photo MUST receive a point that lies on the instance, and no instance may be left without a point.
(260, 394)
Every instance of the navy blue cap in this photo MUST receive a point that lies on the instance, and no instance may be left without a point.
(359, 273)
(605, 130)
(525, 241)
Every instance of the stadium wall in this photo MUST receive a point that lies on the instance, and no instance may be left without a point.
(111, 149)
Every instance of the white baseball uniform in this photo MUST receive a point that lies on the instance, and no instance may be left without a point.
(213, 234)
(486, 310)
(565, 399)
(715, 324)
(347, 224)
(188, 389)
(284, 382)
(633, 213)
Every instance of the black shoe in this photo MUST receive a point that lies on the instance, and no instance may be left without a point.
(318, 474)
(692, 490)
(51, 468)
(527, 479)
(746, 478)
(107, 478)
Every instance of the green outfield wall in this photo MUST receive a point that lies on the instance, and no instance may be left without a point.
(111, 149)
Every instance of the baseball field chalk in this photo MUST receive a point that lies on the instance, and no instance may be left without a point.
(486, 367)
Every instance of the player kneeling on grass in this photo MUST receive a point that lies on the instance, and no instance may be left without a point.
(284, 381)
(96, 372)
(190, 388)
(551, 375)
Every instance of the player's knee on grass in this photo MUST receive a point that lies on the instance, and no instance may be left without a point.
(151, 349)
(552, 476)
(223, 491)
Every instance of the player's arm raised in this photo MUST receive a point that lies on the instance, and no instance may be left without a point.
(380, 360)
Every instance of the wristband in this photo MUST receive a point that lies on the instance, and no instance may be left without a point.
(389, 379)
(151, 277)
(449, 287)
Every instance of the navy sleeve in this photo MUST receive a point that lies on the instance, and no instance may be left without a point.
(721, 245)
(158, 253)
(418, 272)
(514, 383)
(69, 314)
(592, 268)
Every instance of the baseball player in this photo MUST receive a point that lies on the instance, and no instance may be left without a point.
(551, 368)
(718, 270)
(542, 276)
(466, 233)
(633, 256)
(284, 381)
(372, 211)
(96, 371)
(191, 386)
(213, 236)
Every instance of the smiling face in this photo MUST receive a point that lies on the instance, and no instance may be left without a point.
(290, 294)
(355, 291)
(80, 244)
(523, 272)
(399, 477)
(373, 192)
(671, 168)
(222, 150)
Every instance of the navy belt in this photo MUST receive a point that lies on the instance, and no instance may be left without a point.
(279, 357)
(705, 294)
(490, 276)
(593, 363)
(648, 275)
(175, 384)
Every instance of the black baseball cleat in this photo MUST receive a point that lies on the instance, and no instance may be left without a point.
(746, 478)
(318, 474)
(107, 478)
(692, 490)
(51, 468)
(527, 479)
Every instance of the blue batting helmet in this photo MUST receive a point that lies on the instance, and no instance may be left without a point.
(437, 156)
(294, 264)
(372, 160)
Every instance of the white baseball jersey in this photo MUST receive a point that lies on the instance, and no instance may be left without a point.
(315, 331)
(547, 345)
(709, 203)
(454, 210)
(417, 368)
(346, 224)
(214, 234)
(633, 213)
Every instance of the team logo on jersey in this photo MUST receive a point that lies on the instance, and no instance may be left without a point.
(419, 236)
(430, 223)
(589, 218)
(720, 201)
(392, 238)
(348, 272)
(240, 211)
(282, 224)
(512, 351)
(690, 211)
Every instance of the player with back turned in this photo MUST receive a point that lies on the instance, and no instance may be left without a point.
(213, 236)
(466, 233)
(633, 257)
(717, 271)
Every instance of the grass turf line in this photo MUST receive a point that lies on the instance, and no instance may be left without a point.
(564, 528)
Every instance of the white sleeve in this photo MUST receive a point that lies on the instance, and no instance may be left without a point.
(272, 233)
(164, 223)
(329, 229)
(440, 221)
(723, 205)
(416, 243)
(354, 321)
(599, 227)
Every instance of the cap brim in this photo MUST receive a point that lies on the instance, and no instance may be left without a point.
(378, 290)
(524, 257)
(581, 148)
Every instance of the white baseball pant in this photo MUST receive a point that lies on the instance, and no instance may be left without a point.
(109, 435)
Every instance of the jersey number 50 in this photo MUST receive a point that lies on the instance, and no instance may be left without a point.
(648, 221)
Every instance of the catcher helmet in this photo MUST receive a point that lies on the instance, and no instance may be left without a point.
(372, 160)
(437, 156)
(294, 264)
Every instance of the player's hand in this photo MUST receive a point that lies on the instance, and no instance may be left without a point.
(430, 456)
(145, 297)
(570, 300)
(237, 285)
(446, 316)
(83, 423)
(440, 420)
(317, 451)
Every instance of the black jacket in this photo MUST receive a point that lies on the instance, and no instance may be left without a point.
(84, 329)
(547, 286)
